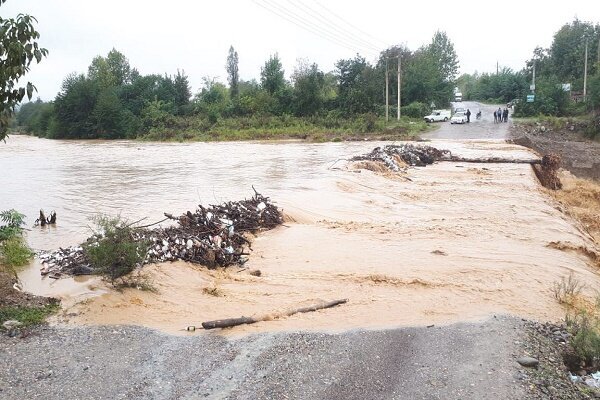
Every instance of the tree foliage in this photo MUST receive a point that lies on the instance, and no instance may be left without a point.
(272, 77)
(18, 49)
(113, 100)
(233, 76)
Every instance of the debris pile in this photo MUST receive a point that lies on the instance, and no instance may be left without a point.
(396, 157)
(213, 236)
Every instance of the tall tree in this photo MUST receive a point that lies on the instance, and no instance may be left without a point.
(232, 73)
(568, 49)
(183, 92)
(110, 71)
(18, 49)
(442, 51)
(272, 75)
(309, 84)
(358, 89)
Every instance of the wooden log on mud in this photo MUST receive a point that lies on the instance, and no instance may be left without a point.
(230, 322)
(494, 160)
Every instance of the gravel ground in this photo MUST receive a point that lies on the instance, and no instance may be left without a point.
(460, 361)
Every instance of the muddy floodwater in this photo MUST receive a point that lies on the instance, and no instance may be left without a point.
(444, 243)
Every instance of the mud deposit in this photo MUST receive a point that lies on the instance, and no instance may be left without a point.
(453, 242)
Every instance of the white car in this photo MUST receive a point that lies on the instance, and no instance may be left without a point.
(459, 118)
(437, 116)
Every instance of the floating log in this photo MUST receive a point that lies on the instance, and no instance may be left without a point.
(230, 322)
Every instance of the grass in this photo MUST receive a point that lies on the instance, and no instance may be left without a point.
(567, 289)
(214, 290)
(313, 129)
(28, 316)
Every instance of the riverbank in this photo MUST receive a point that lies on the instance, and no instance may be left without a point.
(566, 137)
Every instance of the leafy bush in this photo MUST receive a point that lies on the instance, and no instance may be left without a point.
(114, 251)
(585, 328)
(13, 224)
(416, 110)
(14, 252)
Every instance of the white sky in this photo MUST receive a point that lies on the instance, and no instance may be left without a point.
(162, 36)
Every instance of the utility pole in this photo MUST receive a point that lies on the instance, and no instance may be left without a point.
(497, 69)
(387, 92)
(399, 64)
(585, 71)
(533, 82)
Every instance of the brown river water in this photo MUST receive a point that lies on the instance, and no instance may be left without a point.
(452, 242)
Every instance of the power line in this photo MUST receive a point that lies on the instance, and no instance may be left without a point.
(349, 23)
(311, 12)
(311, 27)
(323, 32)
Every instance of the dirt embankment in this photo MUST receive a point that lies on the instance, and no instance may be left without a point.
(580, 155)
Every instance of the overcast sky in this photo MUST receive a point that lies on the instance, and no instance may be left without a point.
(163, 36)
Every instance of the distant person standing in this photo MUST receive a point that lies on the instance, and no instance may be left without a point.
(495, 116)
(499, 114)
(468, 115)
(505, 115)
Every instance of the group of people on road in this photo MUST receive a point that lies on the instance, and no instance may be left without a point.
(501, 115)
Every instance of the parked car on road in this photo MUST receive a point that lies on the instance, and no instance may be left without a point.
(459, 117)
(438, 115)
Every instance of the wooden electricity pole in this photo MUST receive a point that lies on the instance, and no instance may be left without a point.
(399, 73)
(585, 72)
(387, 92)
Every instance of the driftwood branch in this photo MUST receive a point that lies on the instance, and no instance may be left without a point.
(227, 323)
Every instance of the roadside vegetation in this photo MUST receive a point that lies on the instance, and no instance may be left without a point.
(114, 101)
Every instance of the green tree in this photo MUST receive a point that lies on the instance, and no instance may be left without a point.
(107, 116)
(233, 73)
(358, 88)
(568, 49)
(272, 75)
(183, 92)
(74, 106)
(442, 51)
(308, 96)
(18, 49)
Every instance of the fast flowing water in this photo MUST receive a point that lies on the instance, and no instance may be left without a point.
(451, 242)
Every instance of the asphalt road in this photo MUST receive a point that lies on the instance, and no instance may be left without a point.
(485, 128)
(460, 361)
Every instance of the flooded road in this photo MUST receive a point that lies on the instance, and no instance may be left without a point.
(453, 242)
